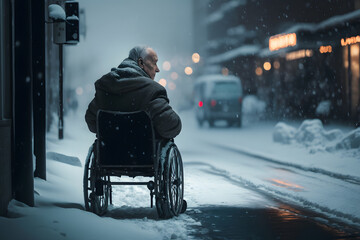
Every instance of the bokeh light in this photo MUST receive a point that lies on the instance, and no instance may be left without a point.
(267, 66)
(166, 66)
(188, 71)
(162, 82)
(172, 86)
(258, 71)
(196, 58)
(79, 91)
(174, 75)
(276, 64)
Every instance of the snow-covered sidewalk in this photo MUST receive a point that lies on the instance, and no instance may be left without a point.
(59, 205)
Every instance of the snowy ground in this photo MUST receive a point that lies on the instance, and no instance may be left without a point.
(223, 166)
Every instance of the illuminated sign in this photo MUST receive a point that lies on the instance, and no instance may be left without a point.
(350, 40)
(325, 49)
(299, 54)
(282, 41)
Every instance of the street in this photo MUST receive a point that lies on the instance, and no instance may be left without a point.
(235, 195)
(269, 214)
(235, 189)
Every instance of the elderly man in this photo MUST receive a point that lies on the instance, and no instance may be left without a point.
(130, 87)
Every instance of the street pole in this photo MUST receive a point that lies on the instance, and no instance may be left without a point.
(61, 107)
(39, 92)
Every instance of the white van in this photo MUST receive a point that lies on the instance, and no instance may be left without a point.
(218, 97)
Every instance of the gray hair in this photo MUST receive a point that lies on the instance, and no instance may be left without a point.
(138, 52)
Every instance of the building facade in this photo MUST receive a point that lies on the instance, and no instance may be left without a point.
(297, 81)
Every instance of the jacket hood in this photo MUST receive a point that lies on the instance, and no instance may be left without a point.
(128, 76)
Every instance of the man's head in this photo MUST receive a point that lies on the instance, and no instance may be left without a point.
(146, 58)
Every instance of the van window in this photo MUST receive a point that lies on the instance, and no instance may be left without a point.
(226, 89)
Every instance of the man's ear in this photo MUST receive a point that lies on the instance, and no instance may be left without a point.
(141, 62)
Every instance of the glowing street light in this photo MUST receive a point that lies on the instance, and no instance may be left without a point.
(195, 58)
(162, 82)
(188, 71)
(166, 66)
(276, 64)
(267, 66)
(172, 86)
(259, 71)
(174, 75)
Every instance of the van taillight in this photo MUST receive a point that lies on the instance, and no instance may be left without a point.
(200, 103)
(240, 100)
(213, 103)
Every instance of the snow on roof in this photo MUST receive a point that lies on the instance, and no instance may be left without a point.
(240, 51)
(335, 20)
(301, 27)
(56, 12)
(219, 14)
(339, 19)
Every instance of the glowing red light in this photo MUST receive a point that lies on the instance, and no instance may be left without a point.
(213, 103)
(240, 100)
(200, 103)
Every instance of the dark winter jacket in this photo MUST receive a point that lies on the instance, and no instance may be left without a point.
(128, 88)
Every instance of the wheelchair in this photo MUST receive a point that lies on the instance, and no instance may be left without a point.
(126, 145)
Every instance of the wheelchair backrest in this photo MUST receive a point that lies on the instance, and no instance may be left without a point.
(125, 138)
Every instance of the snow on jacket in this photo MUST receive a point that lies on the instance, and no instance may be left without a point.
(128, 88)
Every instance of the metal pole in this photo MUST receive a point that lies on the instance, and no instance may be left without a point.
(61, 107)
(38, 67)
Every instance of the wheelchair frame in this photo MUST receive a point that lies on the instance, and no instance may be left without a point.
(166, 168)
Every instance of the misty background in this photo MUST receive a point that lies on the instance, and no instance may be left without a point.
(113, 27)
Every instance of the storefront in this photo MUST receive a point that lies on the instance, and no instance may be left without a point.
(319, 64)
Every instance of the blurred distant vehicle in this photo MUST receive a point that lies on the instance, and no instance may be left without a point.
(218, 97)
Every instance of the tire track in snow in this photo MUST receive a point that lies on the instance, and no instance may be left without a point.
(343, 177)
(332, 215)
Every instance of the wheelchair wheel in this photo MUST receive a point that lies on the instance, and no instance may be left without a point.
(170, 184)
(96, 193)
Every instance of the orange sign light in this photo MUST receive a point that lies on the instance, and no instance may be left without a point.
(350, 40)
(299, 54)
(325, 49)
(282, 41)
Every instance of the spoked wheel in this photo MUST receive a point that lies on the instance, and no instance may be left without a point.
(96, 192)
(174, 183)
(170, 184)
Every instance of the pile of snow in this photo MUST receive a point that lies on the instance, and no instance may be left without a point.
(350, 141)
(253, 106)
(284, 133)
(312, 135)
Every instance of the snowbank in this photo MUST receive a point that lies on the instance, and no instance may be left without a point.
(253, 106)
(350, 141)
(283, 133)
(312, 135)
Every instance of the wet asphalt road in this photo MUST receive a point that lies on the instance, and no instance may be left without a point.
(254, 223)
